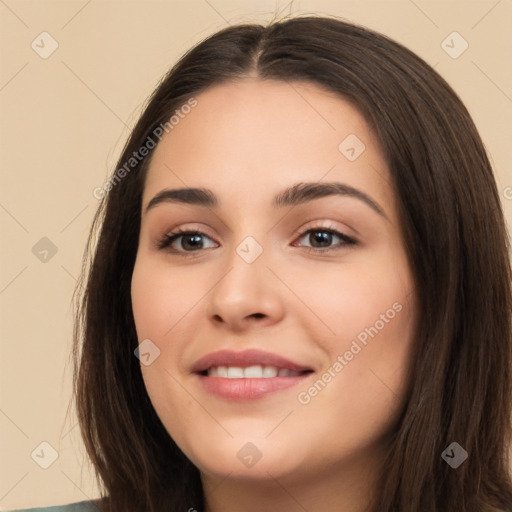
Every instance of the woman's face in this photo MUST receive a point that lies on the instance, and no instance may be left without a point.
(277, 340)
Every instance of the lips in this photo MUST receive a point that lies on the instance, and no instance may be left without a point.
(247, 375)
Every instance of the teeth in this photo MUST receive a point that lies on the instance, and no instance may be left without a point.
(235, 373)
(268, 372)
(255, 372)
(250, 372)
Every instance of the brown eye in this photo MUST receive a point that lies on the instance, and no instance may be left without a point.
(322, 238)
(184, 241)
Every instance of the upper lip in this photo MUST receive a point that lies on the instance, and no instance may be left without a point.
(244, 359)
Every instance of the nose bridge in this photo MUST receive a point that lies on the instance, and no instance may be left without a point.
(246, 270)
(246, 288)
(249, 241)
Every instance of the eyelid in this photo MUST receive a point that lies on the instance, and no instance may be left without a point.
(317, 225)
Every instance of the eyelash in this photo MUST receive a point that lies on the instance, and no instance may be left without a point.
(169, 238)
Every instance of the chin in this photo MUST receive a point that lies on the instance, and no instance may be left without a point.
(249, 458)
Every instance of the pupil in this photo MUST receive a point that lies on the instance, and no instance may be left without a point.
(322, 237)
(197, 242)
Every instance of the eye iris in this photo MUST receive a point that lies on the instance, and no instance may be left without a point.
(323, 238)
(197, 241)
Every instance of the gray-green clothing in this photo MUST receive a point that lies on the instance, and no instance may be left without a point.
(82, 506)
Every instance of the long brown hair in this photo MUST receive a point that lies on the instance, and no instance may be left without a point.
(455, 237)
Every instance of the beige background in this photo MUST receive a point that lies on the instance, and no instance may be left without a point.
(64, 120)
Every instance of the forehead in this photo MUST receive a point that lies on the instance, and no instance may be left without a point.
(253, 137)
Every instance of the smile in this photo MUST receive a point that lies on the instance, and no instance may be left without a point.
(247, 375)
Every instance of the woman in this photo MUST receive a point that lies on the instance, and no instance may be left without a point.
(341, 338)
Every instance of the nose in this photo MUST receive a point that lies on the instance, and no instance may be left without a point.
(246, 296)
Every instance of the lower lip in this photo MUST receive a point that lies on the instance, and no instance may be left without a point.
(248, 389)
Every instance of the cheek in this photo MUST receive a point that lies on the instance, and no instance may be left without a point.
(160, 298)
(163, 304)
(361, 391)
(368, 311)
(349, 298)
(172, 403)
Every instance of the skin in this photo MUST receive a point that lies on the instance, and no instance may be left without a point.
(246, 141)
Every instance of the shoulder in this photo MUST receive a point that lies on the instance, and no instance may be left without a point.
(82, 506)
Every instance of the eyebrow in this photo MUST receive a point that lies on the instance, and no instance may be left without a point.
(297, 194)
